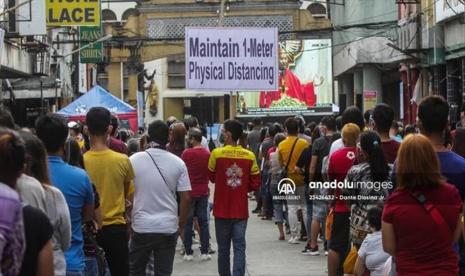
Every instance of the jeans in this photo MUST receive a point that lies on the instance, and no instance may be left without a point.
(294, 206)
(309, 205)
(228, 230)
(91, 266)
(198, 209)
(279, 212)
(114, 241)
(163, 247)
(75, 273)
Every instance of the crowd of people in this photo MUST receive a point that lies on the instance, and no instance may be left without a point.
(86, 198)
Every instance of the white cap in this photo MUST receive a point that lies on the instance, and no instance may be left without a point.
(72, 124)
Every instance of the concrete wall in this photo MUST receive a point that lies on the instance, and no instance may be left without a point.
(356, 12)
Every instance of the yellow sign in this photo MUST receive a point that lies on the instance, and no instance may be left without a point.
(369, 100)
(73, 13)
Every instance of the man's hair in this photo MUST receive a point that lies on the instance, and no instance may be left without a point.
(292, 126)
(339, 123)
(301, 121)
(273, 129)
(53, 131)
(257, 121)
(366, 115)
(195, 133)
(329, 122)
(191, 122)
(374, 217)
(235, 127)
(383, 116)
(6, 119)
(98, 119)
(158, 132)
(353, 115)
(433, 113)
(114, 123)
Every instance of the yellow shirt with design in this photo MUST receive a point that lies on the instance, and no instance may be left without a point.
(110, 171)
(284, 150)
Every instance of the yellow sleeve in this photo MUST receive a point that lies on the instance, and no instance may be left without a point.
(212, 161)
(132, 189)
(255, 169)
(130, 171)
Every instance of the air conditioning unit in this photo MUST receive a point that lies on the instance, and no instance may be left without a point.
(318, 10)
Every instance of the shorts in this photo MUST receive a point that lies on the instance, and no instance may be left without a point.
(320, 210)
(340, 232)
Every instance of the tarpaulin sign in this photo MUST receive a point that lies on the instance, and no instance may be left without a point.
(232, 59)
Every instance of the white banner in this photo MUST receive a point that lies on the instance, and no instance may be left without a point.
(232, 59)
(448, 8)
(140, 108)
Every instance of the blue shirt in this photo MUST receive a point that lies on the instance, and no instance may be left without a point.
(75, 185)
(452, 168)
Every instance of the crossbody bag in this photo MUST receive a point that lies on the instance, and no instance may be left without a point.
(284, 172)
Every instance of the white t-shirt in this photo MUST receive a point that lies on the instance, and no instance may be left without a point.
(336, 145)
(155, 208)
(204, 143)
(31, 192)
(372, 251)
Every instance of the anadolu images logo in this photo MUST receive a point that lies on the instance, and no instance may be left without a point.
(286, 186)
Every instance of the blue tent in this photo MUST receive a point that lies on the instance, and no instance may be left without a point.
(97, 96)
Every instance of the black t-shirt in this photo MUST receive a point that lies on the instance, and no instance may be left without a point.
(304, 163)
(321, 148)
(38, 231)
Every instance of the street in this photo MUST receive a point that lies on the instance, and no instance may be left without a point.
(266, 256)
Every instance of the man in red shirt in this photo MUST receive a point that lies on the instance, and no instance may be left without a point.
(382, 116)
(235, 172)
(113, 143)
(340, 163)
(196, 159)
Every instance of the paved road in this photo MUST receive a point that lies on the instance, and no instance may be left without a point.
(266, 256)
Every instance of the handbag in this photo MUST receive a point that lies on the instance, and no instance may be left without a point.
(349, 262)
(284, 171)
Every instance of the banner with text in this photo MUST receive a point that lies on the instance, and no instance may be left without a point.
(93, 53)
(232, 59)
(73, 13)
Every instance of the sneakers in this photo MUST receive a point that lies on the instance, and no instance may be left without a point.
(205, 257)
(188, 258)
(311, 251)
(293, 240)
(326, 252)
(210, 250)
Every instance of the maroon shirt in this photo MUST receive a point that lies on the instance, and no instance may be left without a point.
(390, 149)
(420, 248)
(117, 145)
(196, 160)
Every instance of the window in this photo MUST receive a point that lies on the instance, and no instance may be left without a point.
(108, 15)
(129, 12)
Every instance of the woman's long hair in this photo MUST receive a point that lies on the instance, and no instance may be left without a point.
(459, 142)
(371, 145)
(417, 164)
(37, 163)
(73, 155)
